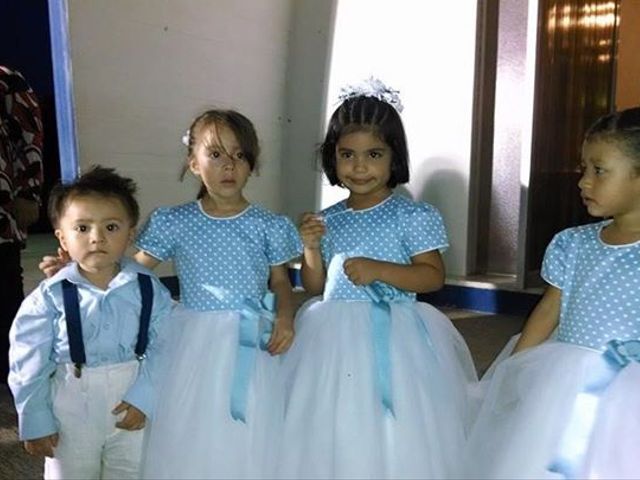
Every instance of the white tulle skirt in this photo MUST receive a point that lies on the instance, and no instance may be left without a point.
(335, 422)
(614, 447)
(528, 401)
(192, 434)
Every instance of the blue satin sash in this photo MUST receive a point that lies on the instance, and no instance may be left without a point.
(381, 335)
(575, 439)
(254, 331)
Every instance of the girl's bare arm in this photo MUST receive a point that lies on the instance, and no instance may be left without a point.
(542, 321)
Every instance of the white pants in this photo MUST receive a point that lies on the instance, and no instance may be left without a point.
(89, 445)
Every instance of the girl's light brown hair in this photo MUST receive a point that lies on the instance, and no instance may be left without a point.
(241, 127)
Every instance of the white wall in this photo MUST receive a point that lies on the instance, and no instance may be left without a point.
(307, 85)
(143, 69)
(426, 50)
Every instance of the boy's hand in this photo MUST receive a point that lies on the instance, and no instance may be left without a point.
(311, 230)
(361, 270)
(281, 337)
(50, 265)
(134, 419)
(42, 447)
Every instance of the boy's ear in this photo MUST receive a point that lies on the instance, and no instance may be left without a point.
(60, 236)
(132, 234)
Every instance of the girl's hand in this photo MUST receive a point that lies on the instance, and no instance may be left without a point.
(42, 447)
(361, 270)
(50, 265)
(134, 419)
(311, 230)
(281, 337)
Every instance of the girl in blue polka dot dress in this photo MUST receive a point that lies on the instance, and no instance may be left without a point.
(566, 404)
(219, 409)
(375, 382)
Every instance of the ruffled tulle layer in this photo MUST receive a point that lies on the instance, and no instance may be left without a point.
(529, 399)
(192, 434)
(335, 423)
(614, 446)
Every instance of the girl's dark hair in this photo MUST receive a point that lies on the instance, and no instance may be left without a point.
(241, 127)
(367, 114)
(99, 181)
(623, 128)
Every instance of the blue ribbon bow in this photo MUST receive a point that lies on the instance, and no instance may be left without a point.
(621, 353)
(575, 440)
(255, 328)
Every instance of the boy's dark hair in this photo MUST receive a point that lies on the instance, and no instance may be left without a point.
(97, 181)
(367, 114)
(623, 128)
(240, 125)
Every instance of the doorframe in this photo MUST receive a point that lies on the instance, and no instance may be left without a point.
(63, 89)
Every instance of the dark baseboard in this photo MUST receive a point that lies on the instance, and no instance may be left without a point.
(483, 300)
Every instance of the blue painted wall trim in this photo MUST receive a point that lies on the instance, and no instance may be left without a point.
(63, 86)
(467, 298)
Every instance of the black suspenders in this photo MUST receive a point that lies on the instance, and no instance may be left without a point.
(74, 325)
(146, 292)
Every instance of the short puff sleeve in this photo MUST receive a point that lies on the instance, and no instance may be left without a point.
(557, 258)
(282, 240)
(157, 237)
(423, 229)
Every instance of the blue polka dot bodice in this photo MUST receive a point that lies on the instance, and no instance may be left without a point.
(600, 286)
(220, 261)
(394, 230)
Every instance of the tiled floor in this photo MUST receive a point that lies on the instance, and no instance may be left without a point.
(485, 334)
(14, 461)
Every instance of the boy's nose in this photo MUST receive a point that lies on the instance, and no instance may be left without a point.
(97, 236)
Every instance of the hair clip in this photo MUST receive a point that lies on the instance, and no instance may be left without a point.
(185, 138)
(372, 87)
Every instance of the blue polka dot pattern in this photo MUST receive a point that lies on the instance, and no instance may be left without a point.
(219, 261)
(600, 286)
(394, 230)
